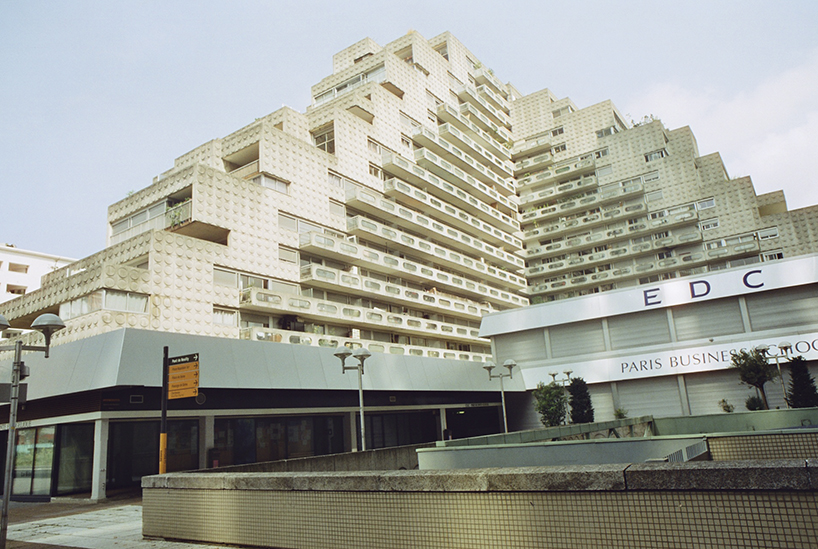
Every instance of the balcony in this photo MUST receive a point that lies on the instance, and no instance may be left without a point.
(552, 193)
(452, 116)
(616, 234)
(646, 268)
(413, 173)
(321, 310)
(454, 175)
(501, 168)
(484, 76)
(533, 163)
(470, 96)
(468, 111)
(448, 214)
(394, 239)
(531, 146)
(617, 253)
(587, 222)
(603, 196)
(429, 300)
(319, 340)
(565, 171)
(173, 218)
(468, 164)
(494, 99)
(409, 270)
(368, 202)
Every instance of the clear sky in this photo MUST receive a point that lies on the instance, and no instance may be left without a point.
(98, 97)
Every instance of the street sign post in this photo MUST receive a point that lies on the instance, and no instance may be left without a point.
(180, 379)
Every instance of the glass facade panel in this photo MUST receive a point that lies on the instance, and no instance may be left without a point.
(75, 458)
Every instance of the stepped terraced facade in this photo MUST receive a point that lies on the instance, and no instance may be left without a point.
(416, 194)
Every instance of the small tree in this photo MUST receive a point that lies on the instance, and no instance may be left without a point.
(582, 411)
(550, 403)
(802, 392)
(755, 371)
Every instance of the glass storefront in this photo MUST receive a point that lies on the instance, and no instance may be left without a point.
(251, 440)
(33, 462)
(75, 458)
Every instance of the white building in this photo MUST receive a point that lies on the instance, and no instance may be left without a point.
(415, 195)
(21, 270)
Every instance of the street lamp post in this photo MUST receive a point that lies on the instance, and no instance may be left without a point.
(785, 347)
(47, 324)
(361, 354)
(489, 367)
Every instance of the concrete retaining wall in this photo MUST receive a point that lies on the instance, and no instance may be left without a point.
(702, 504)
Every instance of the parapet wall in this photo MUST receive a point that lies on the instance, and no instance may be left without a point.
(702, 504)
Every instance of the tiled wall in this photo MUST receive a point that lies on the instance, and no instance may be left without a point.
(764, 446)
(531, 507)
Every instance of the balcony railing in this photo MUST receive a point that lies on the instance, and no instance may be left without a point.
(495, 99)
(589, 221)
(431, 300)
(328, 341)
(471, 113)
(470, 95)
(394, 239)
(460, 161)
(173, 217)
(573, 169)
(659, 266)
(456, 217)
(368, 202)
(314, 309)
(618, 253)
(583, 203)
(452, 116)
(501, 170)
(484, 76)
(550, 194)
(531, 146)
(615, 234)
(533, 163)
(409, 270)
(454, 195)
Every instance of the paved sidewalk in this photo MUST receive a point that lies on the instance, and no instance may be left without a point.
(78, 524)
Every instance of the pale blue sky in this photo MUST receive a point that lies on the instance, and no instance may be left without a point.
(98, 96)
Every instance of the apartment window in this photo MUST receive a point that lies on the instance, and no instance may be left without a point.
(607, 131)
(652, 176)
(82, 305)
(561, 112)
(223, 277)
(324, 139)
(706, 203)
(655, 155)
(431, 116)
(714, 244)
(601, 153)
(224, 317)
(287, 255)
(272, 183)
(126, 301)
(443, 50)
(772, 255)
(708, 224)
(250, 281)
(558, 131)
(409, 122)
(287, 222)
(653, 196)
(18, 268)
(664, 255)
(376, 171)
(767, 234)
(406, 142)
(335, 180)
(558, 148)
(15, 289)
(337, 209)
(374, 146)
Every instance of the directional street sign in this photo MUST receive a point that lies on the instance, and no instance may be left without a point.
(183, 376)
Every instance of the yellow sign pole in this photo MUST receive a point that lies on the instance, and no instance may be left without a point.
(163, 428)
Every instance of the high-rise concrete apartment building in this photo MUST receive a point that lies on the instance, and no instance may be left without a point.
(416, 194)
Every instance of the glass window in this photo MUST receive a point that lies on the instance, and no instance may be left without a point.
(287, 222)
(224, 317)
(225, 277)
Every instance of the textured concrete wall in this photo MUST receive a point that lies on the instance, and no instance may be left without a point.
(703, 504)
